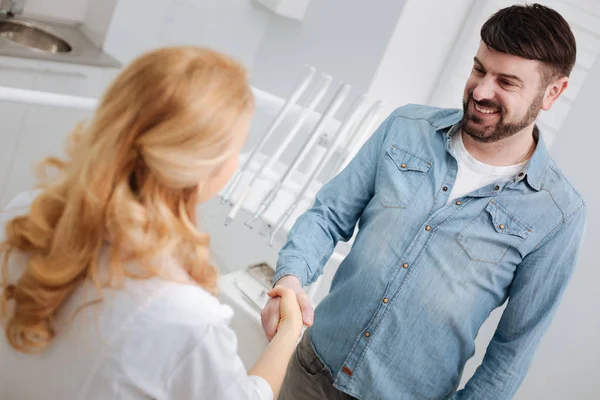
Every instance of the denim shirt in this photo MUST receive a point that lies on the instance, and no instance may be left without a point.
(423, 273)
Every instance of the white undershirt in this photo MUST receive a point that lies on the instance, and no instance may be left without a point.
(473, 174)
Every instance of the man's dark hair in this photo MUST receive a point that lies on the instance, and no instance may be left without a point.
(533, 32)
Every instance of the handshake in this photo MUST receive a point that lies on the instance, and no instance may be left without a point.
(287, 309)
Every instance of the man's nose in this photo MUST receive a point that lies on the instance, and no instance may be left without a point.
(485, 90)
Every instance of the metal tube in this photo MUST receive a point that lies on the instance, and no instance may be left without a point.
(318, 96)
(332, 108)
(287, 105)
(314, 99)
(344, 128)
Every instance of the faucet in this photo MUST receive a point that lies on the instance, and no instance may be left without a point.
(12, 7)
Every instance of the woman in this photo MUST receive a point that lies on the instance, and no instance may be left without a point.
(105, 276)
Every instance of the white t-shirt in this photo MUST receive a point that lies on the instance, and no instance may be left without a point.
(473, 174)
(153, 339)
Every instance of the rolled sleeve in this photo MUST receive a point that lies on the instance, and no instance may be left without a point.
(294, 266)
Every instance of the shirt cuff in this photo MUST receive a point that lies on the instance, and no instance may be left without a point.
(263, 389)
(292, 265)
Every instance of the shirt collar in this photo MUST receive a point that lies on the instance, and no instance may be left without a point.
(539, 161)
(535, 168)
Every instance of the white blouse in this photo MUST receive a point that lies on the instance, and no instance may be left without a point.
(152, 339)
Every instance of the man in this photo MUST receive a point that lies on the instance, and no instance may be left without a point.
(460, 211)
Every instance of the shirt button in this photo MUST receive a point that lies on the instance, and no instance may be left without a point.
(367, 334)
(502, 226)
(405, 265)
(445, 188)
(427, 228)
(496, 187)
(458, 203)
(402, 165)
(521, 174)
(386, 300)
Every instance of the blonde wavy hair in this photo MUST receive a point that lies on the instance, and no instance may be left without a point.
(132, 177)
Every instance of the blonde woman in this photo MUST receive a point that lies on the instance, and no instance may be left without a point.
(107, 290)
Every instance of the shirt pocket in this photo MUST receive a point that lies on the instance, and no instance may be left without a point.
(401, 174)
(492, 234)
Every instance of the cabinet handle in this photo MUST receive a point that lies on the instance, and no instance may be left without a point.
(18, 69)
(73, 74)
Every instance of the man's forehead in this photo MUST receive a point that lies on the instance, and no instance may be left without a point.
(497, 62)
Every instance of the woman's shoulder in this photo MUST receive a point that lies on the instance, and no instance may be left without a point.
(193, 305)
(145, 313)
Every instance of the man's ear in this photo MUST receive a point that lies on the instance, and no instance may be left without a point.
(553, 92)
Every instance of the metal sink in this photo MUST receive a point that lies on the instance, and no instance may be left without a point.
(32, 35)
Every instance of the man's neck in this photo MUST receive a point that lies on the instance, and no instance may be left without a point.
(510, 151)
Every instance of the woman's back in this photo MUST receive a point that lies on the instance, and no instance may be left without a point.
(108, 290)
(151, 339)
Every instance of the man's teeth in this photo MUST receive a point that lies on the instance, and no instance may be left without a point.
(485, 110)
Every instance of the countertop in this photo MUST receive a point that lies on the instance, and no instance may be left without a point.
(83, 51)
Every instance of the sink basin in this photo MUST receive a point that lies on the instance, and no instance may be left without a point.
(32, 35)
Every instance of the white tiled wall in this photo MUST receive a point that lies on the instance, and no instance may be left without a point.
(32, 131)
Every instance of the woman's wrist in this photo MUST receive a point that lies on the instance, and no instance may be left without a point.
(287, 331)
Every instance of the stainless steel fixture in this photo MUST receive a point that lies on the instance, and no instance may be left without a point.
(32, 35)
(40, 38)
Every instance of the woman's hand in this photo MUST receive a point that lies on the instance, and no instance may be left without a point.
(290, 316)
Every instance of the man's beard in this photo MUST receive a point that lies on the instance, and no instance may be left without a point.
(500, 130)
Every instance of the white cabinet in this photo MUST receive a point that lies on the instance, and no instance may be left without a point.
(32, 132)
(13, 73)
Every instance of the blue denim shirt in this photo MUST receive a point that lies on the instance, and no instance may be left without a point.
(423, 274)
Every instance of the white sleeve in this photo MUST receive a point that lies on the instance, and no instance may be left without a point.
(22, 200)
(17, 206)
(213, 370)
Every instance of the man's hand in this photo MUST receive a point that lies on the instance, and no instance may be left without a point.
(270, 314)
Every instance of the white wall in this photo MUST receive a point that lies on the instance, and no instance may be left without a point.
(417, 52)
(347, 42)
(235, 27)
(345, 39)
(69, 10)
(97, 19)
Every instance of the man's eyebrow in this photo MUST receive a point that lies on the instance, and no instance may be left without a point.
(509, 76)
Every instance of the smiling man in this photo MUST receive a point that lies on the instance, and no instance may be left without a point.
(460, 211)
